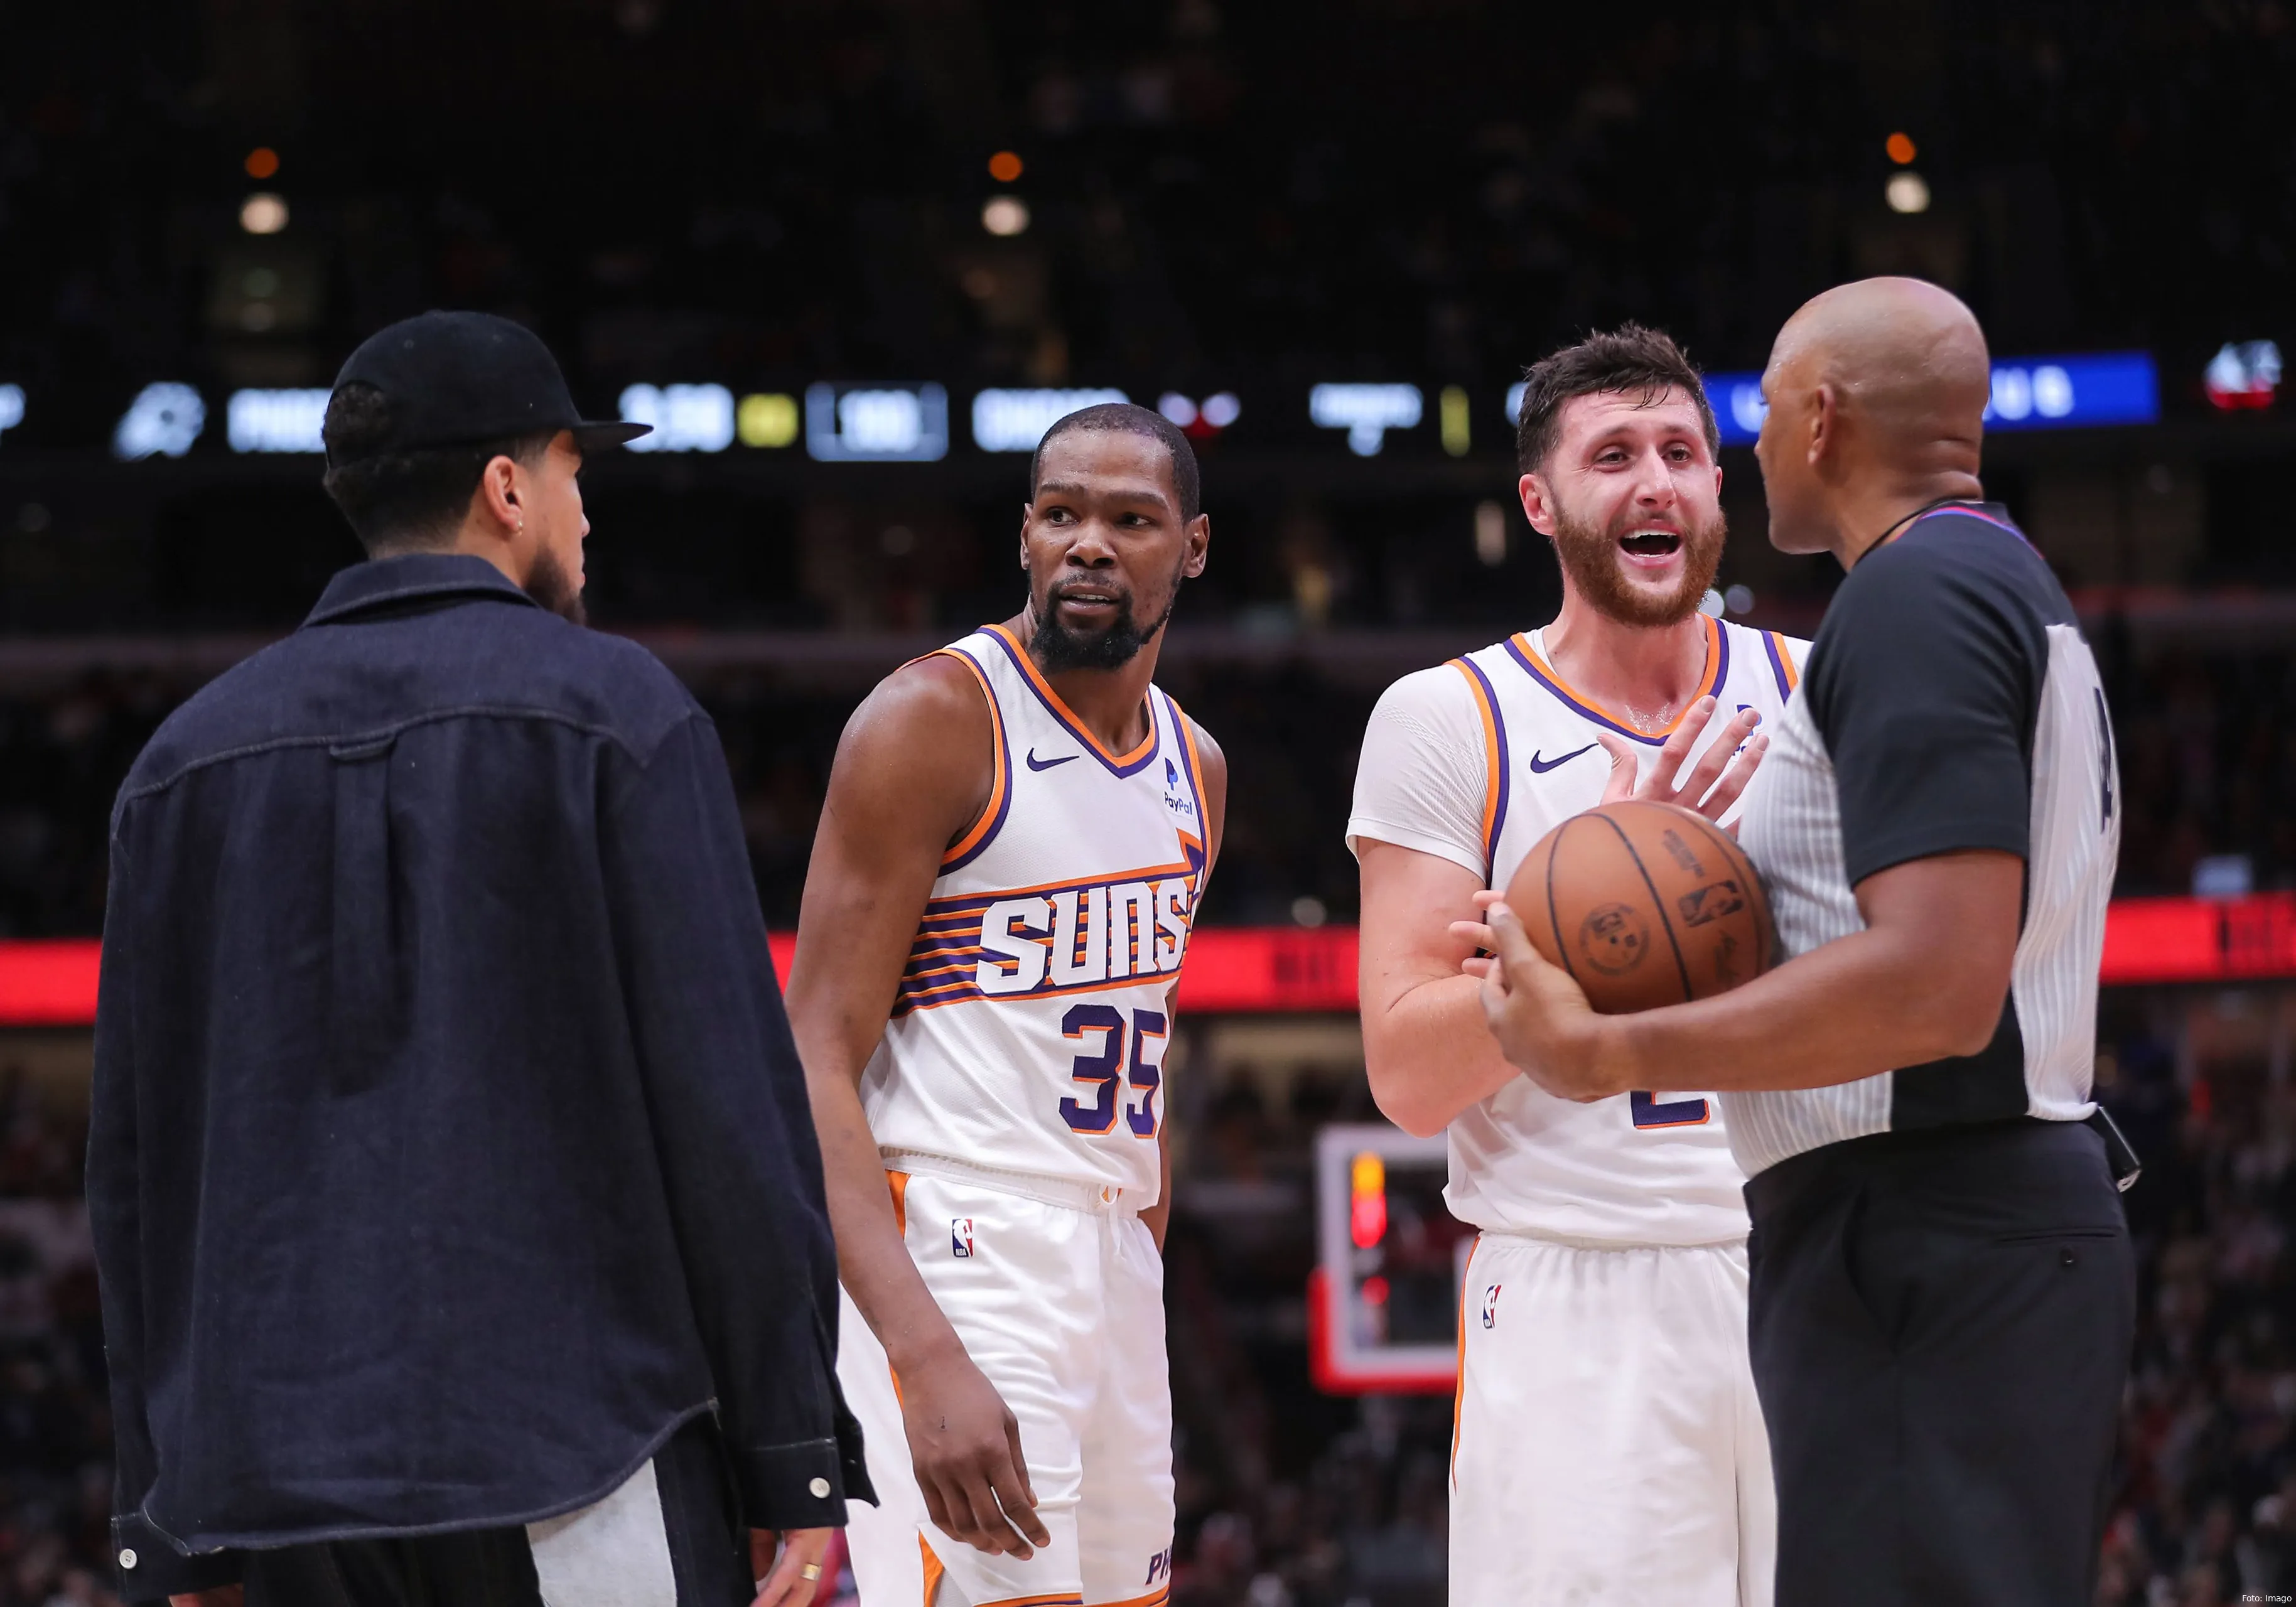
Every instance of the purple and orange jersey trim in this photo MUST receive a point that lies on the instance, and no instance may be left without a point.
(977, 837)
(1717, 671)
(945, 958)
(1459, 1388)
(1495, 765)
(1194, 845)
(1781, 664)
(1118, 764)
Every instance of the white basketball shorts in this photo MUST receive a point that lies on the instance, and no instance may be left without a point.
(1058, 1295)
(1609, 1447)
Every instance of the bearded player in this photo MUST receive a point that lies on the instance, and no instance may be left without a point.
(1609, 1446)
(1016, 832)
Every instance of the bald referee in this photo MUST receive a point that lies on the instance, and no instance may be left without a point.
(1942, 1298)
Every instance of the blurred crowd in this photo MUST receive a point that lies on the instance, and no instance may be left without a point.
(2205, 1512)
(2207, 753)
(56, 1472)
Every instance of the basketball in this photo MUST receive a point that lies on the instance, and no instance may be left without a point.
(1645, 904)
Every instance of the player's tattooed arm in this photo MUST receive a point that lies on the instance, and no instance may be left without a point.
(912, 775)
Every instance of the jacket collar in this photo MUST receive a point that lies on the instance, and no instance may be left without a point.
(385, 581)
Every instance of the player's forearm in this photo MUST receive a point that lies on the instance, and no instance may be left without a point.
(1429, 1055)
(1863, 1005)
(872, 1261)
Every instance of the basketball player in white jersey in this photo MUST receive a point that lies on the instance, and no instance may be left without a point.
(1006, 870)
(1609, 1446)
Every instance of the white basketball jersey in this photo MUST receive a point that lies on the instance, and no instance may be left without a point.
(1029, 1029)
(1649, 1167)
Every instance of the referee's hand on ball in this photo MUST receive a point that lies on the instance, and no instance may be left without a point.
(1541, 1018)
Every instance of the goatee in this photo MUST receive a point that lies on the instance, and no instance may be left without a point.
(549, 584)
(1589, 556)
(1057, 648)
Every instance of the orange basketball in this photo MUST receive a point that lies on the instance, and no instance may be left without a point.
(1644, 905)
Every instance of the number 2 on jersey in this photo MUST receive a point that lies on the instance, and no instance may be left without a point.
(1106, 1068)
(1649, 1112)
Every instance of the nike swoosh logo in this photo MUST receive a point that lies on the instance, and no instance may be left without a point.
(1541, 767)
(1045, 764)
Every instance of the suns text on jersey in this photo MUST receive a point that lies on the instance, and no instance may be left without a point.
(1110, 932)
(1078, 935)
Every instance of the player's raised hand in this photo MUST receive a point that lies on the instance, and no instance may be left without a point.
(965, 1445)
(1544, 1024)
(1712, 784)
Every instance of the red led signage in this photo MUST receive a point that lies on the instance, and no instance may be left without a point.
(1281, 969)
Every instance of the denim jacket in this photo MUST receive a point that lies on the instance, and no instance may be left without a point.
(449, 1149)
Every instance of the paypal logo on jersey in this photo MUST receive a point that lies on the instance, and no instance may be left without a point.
(1083, 936)
(1174, 799)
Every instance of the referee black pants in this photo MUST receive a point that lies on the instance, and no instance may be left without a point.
(1941, 1326)
(708, 1554)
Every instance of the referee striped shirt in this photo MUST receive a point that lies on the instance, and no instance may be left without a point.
(1949, 704)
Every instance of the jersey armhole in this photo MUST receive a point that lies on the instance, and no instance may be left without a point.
(1781, 664)
(1196, 849)
(983, 830)
(1494, 759)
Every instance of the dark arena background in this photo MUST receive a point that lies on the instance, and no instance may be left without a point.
(851, 258)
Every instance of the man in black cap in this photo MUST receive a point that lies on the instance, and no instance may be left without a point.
(457, 1209)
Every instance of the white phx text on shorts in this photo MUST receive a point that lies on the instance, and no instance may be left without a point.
(1056, 1290)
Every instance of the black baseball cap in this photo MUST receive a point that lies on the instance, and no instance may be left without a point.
(459, 379)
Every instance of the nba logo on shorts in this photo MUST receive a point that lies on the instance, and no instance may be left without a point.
(1492, 1306)
(960, 1236)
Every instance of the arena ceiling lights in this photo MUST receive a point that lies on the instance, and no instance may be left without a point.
(876, 424)
(1015, 421)
(1365, 412)
(276, 420)
(2244, 375)
(685, 418)
(163, 421)
(2028, 393)
(906, 421)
